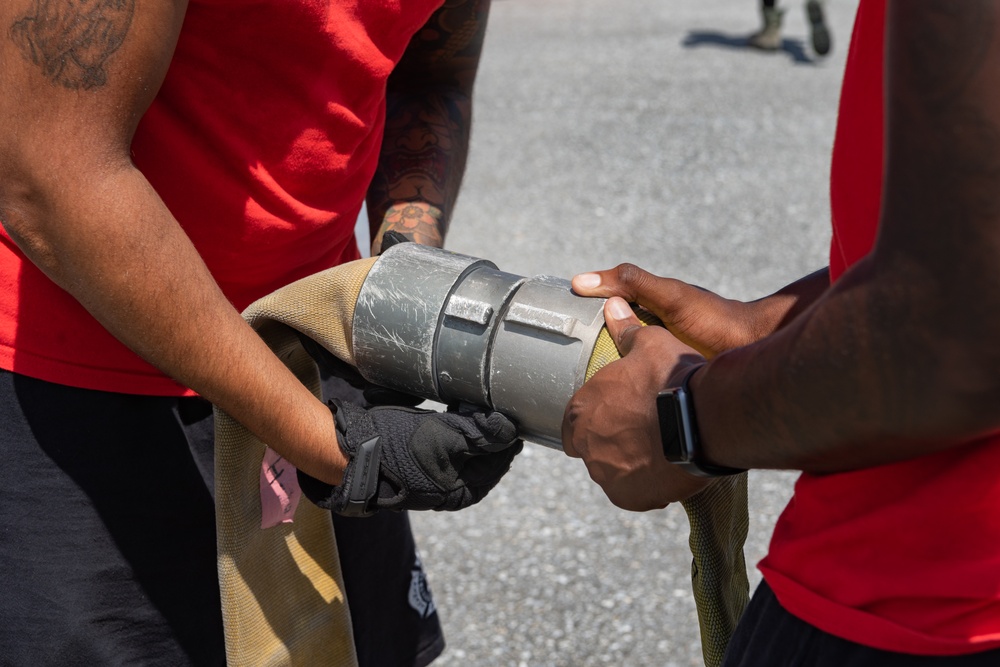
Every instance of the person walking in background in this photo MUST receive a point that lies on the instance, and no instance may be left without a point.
(768, 38)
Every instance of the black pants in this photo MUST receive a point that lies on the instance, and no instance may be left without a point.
(768, 636)
(107, 539)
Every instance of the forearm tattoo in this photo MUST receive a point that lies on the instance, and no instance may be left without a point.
(423, 154)
(428, 121)
(457, 31)
(418, 221)
(72, 40)
(420, 168)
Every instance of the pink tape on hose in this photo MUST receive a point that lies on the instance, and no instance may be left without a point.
(279, 490)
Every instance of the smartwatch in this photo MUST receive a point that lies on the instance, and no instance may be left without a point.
(679, 431)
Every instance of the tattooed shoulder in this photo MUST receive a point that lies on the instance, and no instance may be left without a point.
(72, 40)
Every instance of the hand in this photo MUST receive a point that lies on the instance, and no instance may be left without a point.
(701, 319)
(611, 422)
(410, 459)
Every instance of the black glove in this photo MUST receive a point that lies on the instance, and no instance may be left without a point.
(410, 459)
(390, 239)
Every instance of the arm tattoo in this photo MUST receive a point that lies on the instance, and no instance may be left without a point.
(460, 25)
(423, 154)
(418, 221)
(428, 121)
(71, 40)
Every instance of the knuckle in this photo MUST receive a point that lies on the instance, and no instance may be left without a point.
(637, 282)
(672, 291)
(569, 431)
(630, 332)
(642, 336)
(630, 274)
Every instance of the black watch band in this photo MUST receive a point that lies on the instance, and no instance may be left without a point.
(679, 431)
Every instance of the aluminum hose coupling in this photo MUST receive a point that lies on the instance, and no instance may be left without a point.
(453, 328)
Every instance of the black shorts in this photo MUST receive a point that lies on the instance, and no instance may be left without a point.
(769, 636)
(107, 539)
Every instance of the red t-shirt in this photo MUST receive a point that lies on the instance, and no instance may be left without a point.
(902, 557)
(261, 142)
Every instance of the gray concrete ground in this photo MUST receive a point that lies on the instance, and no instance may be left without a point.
(610, 131)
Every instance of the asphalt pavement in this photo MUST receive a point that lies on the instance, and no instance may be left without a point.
(608, 131)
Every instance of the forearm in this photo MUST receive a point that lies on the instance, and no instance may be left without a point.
(779, 309)
(421, 165)
(428, 124)
(855, 381)
(111, 243)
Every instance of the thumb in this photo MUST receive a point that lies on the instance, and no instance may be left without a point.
(498, 431)
(622, 323)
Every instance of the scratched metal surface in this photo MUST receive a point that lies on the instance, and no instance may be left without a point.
(610, 131)
(397, 314)
(540, 354)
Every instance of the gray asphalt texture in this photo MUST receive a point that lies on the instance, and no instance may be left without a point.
(609, 131)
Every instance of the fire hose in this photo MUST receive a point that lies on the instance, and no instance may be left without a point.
(449, 328)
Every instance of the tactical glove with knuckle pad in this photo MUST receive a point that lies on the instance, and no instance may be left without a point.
(411, 459)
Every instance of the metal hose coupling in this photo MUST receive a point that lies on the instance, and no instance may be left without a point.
(453, 328)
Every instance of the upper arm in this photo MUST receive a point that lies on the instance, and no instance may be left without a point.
(942, 179)
(940, 227)
(76, 77)
(445, 52)
(429, 104)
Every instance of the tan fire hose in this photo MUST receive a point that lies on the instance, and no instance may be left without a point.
(282, 591)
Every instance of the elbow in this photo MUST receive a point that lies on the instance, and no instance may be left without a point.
(962, 386)
(939, 323)
(44, 190)
(969, 364)
(968, 386)
(16, 196)
(40, 199)
(22, 213)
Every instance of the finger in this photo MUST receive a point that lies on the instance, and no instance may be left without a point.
(664, 297)
(625, 280)
(622, 324)
(487, 469)
(498, 431)
(482, 432)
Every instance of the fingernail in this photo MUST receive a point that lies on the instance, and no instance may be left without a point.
(587, 280)
(619, 309)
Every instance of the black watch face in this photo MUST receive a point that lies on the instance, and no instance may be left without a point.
(672, 425)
